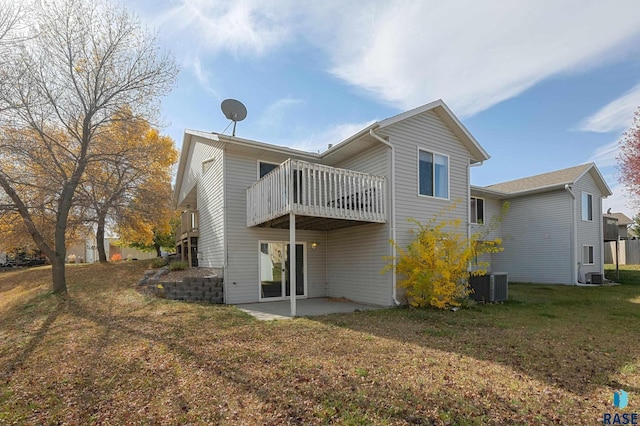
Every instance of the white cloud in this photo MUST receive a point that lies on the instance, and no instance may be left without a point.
(274, 116)
(472, 54)
(479, 54)
(318, 142)
(616, 115)
(620, 201)
(203, 76)
(605, 156)
(243, 27)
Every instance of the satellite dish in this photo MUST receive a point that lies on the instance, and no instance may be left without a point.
(234, 111)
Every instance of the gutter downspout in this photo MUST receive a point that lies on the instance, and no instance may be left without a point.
(392, 231)
(469, 166)
(478, 164)
(574, 233)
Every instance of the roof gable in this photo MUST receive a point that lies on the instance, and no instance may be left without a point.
(448, 117)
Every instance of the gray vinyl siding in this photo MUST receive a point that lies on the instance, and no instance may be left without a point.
(198, 152)
(356, 255)
(589, 232)
(354, 263)
(210, 207)
(536, 235)
(426, 131)
(242, 270)
(374, 161)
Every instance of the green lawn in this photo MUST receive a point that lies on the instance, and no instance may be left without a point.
(109, 355)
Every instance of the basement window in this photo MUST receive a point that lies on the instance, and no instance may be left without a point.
(587, 255)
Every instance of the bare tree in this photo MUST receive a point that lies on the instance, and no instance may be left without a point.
(82, 62)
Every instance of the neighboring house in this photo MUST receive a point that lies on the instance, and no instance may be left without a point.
(246, 203)
(85, 250)
(553, 232)
(620, 248)
(622, 221)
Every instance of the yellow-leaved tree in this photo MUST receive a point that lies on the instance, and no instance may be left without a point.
(129, 186)
(436, 265)
(148, 223)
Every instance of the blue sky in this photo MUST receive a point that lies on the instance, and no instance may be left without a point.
(542, 85)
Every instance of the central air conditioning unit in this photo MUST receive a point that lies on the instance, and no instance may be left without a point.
(594, 278)
(490, 288)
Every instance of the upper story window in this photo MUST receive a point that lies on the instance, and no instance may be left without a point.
(587, 206)
(433, 174)
(477, 210)
(264, 168)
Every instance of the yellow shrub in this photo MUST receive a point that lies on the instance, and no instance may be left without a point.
(436, 265)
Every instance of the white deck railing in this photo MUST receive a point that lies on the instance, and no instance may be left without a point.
(310, 189)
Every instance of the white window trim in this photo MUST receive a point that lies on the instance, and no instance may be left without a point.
(593, 250)
(592, 205)
(484, 202)
(258, 161)
(418, 149)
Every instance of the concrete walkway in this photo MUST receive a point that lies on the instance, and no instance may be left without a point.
(281, 310)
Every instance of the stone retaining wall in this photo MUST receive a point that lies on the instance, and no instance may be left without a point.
(193, 290)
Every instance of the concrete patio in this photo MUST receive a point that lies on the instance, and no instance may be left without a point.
(281, 310)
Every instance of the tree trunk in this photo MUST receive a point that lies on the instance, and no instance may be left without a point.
(58, 272)
(58, 259)
(102, 255)
(158, 252)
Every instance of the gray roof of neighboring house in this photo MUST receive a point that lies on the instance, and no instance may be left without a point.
(623, 219)
(550, 181)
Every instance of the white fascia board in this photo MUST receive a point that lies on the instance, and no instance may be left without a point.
(605, 190)
(182, 163)
(461, 131)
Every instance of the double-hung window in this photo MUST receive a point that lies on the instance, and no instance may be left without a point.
(433, 174)
(477, 210)
(587, 255)
(587, 206)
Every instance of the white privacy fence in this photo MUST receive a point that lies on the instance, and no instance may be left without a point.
(311, 189)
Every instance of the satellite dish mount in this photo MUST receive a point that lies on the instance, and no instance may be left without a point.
(234, 111)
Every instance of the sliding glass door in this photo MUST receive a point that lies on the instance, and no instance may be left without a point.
(274, 270)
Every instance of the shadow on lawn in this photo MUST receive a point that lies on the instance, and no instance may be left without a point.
(306, 372)
(572, 337)
(290, 388)
(22, 356)
(231, 366)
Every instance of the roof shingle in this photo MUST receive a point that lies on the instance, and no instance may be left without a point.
(556, 178)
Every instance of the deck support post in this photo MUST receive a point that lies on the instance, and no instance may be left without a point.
(292, 262)
(189, 251)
